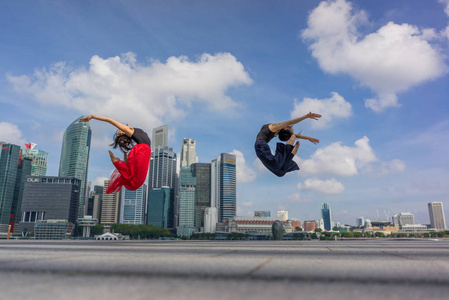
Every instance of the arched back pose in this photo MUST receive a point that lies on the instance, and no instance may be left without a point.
(132, 171)
(282, 162)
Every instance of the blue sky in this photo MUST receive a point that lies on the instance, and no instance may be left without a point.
(216, 71)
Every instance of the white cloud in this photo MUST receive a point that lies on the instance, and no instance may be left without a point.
(244, 172)
(247, 204)
(446, 6)
(152, 94)
(330, 186)
(336, 159)
(296, 198)
(99, 181)
(331, 108)
(389, 61)
(11, 134)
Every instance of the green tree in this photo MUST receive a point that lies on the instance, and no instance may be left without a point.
(97, 230)
(318, 230)
(297, 228)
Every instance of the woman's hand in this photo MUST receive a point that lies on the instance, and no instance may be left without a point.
(113, 158)
(313, 140)
(87, 119)
(314, 116)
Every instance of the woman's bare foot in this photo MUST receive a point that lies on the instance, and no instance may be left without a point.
(113, 158)
(295, 149)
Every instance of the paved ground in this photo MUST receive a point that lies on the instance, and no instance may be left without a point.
(360, 269)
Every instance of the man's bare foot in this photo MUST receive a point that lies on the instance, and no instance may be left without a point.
(113, 158)
(295, 149)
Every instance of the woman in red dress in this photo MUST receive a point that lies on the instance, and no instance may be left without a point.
(132, 171)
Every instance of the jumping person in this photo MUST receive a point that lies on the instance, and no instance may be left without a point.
(132, 171)
(282, 162)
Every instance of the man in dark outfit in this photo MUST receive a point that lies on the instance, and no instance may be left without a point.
(282, 162)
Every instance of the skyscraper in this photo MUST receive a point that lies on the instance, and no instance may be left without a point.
(188, 152)
(75, 156)
(201, 172)
(436, 213)
(162, 171)
(210, 219)
(223, 186)
(327, 216)
(160, 137)
(13, 171)
(39, 159)
(160, 207)
(187, 190)
(132, 205)
(110, 207)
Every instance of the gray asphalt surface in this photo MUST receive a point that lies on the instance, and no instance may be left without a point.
(350, 269)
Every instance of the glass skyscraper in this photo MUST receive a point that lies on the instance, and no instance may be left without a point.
(223, 186)
(39, 159)
(13, 171)
(162, 171)
(202, 191)
(436, 214)
(132, 205)
(75, 156)
(187, 190)
(160, 207)
(327, 216)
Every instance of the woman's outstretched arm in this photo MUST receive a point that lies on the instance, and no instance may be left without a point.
(125, 128)
(275, 127)
(313, 140)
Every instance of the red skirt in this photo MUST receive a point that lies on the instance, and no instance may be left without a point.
(133, 174)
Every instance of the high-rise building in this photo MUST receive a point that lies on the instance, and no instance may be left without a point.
(210, 219)
(49, 197)
(160, 137)
(132, 205)
(188, 152)
(327, 216)
(223, 186)
(309, 225)
(360, 222)
(262, 213)
(110, 207)
(13, 171)
(75, 156)
(39, 159)
(187, 191)
(201, 172)
(160, 207)
(283, 215)
(436, 214)
(162, 171)
(403, 218)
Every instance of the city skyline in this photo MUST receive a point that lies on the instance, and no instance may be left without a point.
(216, 72)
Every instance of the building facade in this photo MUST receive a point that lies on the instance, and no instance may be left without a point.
(188, 152)
(187, 191)
(75, 156)
(327, 216)
(223, 186)
(403, 218)
(162, 171)
(262, 213)
(161, 207)
(38, 157)
(201, 171)
(160, 137)
(436, 214)
(110, 207)
(132, 205)
(210, 219)
(49, 197)
(309, 225)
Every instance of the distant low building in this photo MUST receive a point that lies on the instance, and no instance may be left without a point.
(52, 230)
(255, 225)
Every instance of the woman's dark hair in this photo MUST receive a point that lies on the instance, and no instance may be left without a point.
(284, 135)
(124, 142)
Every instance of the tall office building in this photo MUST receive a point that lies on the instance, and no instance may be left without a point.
(132, 205)
(327, 216)
(403, 218)
(75, 156)
(49, 197)
(160, 207)
(360, 222)
(188, 152)
(436, 214)
(162, 171)
(39, 159)
(13, 170)
(201, 172)
(223, 186)
(160, 137)
(210, 219)
(186, 217)
(110, 207)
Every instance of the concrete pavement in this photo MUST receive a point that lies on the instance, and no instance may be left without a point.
(350, 269)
